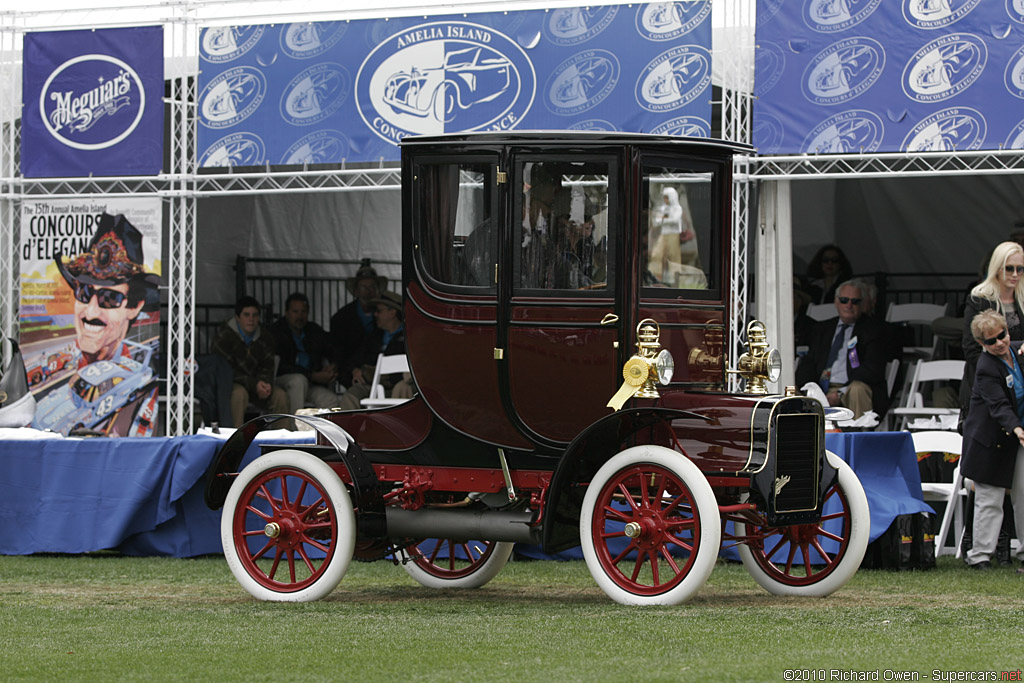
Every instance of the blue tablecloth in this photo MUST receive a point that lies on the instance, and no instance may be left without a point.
(142, 496)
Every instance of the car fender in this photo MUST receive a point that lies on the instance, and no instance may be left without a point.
(581, 460)
(367, 491)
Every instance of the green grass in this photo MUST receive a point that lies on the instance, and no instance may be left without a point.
(105, 617)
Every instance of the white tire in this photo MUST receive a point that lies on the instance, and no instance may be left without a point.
(661, 548)
(432, 562)
(815, 563)
(296, 545)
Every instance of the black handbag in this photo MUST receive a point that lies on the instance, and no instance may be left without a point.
(17, 404)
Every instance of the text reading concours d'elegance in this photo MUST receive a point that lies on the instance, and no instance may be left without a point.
(894, 675)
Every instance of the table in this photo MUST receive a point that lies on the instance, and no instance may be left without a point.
(141, 496)
(144, 496)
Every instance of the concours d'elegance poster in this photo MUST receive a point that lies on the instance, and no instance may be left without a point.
(90, 313)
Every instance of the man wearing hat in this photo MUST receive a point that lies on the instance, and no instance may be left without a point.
(354, 322)
(388, 338)
(110, 287)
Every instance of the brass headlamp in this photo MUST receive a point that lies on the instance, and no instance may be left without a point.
(759, 363)
(648, 365)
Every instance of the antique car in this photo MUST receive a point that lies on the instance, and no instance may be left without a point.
(467, 77)
(96, 391)
(554, 410)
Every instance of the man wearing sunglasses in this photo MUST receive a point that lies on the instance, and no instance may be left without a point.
(846, 356)
(110, 288)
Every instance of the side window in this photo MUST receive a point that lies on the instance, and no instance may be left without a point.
(679, 244)
(562, 238)
(456, 227)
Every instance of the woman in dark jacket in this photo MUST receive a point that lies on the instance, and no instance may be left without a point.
(993, 450)
(1002, 290)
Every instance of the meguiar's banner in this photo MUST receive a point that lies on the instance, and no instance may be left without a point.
(327, 92)
(90, 312)
(93, 103)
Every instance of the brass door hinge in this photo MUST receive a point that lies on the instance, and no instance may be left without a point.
(502, 177)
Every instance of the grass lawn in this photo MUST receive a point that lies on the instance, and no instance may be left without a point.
(105, 617)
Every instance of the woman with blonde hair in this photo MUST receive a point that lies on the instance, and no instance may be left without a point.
(1002, 290)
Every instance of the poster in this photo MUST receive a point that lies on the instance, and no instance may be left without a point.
(90, 313)
(337, 91)
(93, 102)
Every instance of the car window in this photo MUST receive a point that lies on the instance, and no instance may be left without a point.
(562, 241)
(678, 245)
(458, 234)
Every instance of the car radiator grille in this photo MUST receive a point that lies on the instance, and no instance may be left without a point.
(797, 462)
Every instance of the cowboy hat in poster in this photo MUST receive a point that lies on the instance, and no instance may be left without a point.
(93, 103)
(90, 313)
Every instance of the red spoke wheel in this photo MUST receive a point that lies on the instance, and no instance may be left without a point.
(812, 559)
(448, 563)
(649, 527)
(288, 527)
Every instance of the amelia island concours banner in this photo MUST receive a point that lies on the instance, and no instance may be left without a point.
(90, 312)
(93, 103)
(842, 76)
(328, 92)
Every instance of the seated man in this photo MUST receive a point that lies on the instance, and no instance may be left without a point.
(305, 370)
(354, 322)
(847, 356)
(389, 339)
(247, 346)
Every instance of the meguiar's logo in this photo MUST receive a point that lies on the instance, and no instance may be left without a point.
(572, 25)
(670, 20)
(944, 67)
(932, 14)
(853, 131)
(98, 115)
(225, 43)
(830, 16)
(443, 77)
(949, 130)
(843, 70)
(674, 78)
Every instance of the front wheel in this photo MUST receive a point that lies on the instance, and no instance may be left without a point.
(445, 563)
(650, 527)
(812, 559)
(288, 528)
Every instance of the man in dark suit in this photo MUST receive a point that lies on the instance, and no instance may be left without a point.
(847, 356)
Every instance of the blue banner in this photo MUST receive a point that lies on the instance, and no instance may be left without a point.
(846, 76)
(93, 103)
(327, 92)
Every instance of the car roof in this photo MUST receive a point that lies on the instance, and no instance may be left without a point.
(563, 137)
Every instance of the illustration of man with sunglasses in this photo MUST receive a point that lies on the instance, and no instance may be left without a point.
(847, 356)
(110, 288)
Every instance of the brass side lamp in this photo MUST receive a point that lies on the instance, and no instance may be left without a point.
(648, 365)
(760, 363)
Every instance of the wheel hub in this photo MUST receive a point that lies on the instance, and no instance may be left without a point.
(646, 531)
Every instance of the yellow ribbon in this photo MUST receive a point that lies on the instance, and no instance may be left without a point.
(635, 373)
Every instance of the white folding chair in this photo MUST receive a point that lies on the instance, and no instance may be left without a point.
(953, 493)
(927, 371)
(917, 314)
(821, 312)
(386, 365)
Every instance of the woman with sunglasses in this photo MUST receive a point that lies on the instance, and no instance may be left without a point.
(993, 450)
(1003, 291)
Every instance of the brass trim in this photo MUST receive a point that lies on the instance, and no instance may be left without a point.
(499, 354)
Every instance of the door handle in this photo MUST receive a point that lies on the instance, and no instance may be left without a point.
(609, 319)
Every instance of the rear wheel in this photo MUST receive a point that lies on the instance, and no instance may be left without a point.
(446, 563)
(445, 103)
(649, 527)
(812, 559)
(288, 528)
